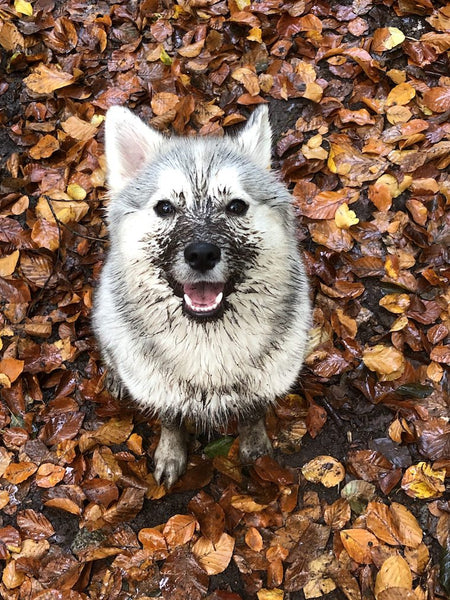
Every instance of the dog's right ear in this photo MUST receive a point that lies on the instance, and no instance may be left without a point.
(129, 145)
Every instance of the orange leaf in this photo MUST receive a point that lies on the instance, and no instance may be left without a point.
(214, 558)
(394, 573)
(11, 367)
(45, 80)
(45, 147)
(253, 539)
(18, 472)
(48, 475)
(438, 99)
(154, 543)
(359, 544)
(179, 529)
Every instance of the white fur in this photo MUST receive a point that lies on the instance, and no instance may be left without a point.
(165, 354)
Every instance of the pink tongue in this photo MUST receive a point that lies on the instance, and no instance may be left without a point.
(203, 293)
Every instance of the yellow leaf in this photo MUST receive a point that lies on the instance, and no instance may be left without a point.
(164, 57)
(325, 470)
(23, 7)
(254, 35)
(396, 37)
(313, 92)
(242, 4)
(344, 217)
(401, 94)
(395, 303)
(76, 192)
(265, 594)
(422, 481)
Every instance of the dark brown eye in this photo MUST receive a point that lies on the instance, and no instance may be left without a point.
(164, 208)
(237, 208)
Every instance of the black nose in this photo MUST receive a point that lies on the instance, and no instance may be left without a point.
(202, 256)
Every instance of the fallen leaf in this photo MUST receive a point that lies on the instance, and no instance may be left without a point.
(359, 544)
(45, 80)
(179, 529)
(422, 481)
(388, 362)
(214, 558)
(325, 470)
(394, 573)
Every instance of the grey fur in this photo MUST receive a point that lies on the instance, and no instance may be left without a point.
(236, 361)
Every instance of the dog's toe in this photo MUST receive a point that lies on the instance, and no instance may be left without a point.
(168, 471)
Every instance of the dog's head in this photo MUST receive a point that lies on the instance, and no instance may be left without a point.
(205, 214)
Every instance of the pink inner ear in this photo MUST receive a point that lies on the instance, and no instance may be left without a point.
(133, 155)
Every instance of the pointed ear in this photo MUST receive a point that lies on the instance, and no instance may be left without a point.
(129, 145)
(255, 140)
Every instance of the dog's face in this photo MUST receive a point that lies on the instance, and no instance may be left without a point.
(202, 215)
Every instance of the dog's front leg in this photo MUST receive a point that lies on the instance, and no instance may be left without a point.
(253, 440)
(171, 454)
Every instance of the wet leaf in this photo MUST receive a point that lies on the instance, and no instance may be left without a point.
(325, 470)
(422, 481)
(359, 544)
(214, 558)
(179, 529)
(394, 573)
(45, 80)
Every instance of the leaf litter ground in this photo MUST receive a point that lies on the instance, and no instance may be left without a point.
(359, 100)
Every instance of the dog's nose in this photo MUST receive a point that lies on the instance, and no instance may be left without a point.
(202, 256)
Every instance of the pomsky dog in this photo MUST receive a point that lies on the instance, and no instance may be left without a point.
(202, 310)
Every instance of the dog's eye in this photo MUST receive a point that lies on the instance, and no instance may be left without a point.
(237, 207)
(164, 208)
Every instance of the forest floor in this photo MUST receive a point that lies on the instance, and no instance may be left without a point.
(356, 504)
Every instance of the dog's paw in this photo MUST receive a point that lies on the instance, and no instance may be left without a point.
(170, 457)
(253, 443)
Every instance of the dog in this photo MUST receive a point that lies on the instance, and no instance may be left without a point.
(202, 310)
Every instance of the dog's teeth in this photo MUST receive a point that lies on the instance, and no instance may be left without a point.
(196, 308)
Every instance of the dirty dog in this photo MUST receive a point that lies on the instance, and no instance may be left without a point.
(202, 310)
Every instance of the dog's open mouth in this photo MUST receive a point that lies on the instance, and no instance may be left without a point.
(203, 299)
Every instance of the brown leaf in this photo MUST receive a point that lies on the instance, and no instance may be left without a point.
(182, 577)
(127, 507)
(46, 146)
(338, 514)
(380, 521)
(328, 234)
(437, 99)
(154, 543)
(45, 234)
(394, 573)
(179, 529)
(45, 80)
(34, 525)
(409, 532)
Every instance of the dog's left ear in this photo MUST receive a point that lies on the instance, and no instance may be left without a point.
(255, 140)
